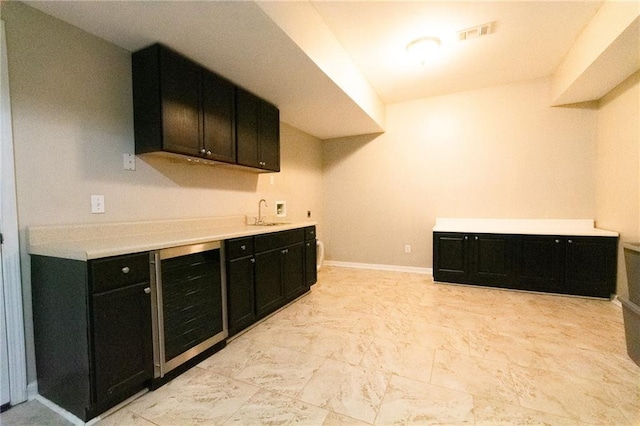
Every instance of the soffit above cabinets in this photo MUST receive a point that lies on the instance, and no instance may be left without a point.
(235, 39)
(331, 66)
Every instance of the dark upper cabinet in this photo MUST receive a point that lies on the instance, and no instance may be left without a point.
(584, 266)
(257, 132)
(180, 107)
(218, 108)
(180, 99)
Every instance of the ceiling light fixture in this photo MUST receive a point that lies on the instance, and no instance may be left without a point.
(423, 49)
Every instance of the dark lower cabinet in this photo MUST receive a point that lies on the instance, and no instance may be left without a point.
(240, 294)
(541, 264)
(123, 352)
(451, 258)
(293, 278)
(263, 274)
(590, 266)
(92, 330)
(584, 266)
(268, 280)
(479, 258)
(310, 263)
(491, 260)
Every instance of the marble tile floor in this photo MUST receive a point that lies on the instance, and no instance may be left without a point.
(376, 347)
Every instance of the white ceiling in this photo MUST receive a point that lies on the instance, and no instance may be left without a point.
(238, 40)
(529, 40)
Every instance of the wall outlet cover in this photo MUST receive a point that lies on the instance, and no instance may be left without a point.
(281, 208)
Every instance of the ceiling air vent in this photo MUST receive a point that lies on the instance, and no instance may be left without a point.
(474, 32)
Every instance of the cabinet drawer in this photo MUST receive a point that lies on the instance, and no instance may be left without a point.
(239, 247)
(120, 271)
(276, 240)
(292, 237)
(310, 233)
(267, 242)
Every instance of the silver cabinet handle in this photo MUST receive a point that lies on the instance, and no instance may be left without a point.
(208, 153)
(253, 260)
(570, 241)
(243, 247)
(125, 270)
(466, 238)
(557, 241)
(476, 238)
(202, 151)
(147, 290)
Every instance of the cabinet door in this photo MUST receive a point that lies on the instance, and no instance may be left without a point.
(310, 270)
(491, 260)
(122, 342)
(293, 278)
(540, 264)
(591, 266)
(257, 132)
(240, 294)
(450, 257)
(269, 136)
(247, 129)
(268, 276)
(180, 87)
(218, 107)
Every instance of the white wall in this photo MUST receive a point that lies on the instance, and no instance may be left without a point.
(500, 152)
(73, 120)
(618, 166)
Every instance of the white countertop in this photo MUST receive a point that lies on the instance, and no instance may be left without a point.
(569, 227)
(93, 241)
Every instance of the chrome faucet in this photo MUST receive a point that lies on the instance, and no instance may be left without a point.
(259, 218)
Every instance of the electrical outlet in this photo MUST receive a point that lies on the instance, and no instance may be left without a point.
(407, 248)
(97, 204)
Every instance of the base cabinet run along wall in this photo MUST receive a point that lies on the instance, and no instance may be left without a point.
(93, 319)
(575, 265)
(266, 272)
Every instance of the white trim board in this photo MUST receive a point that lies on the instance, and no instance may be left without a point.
(11, 275)
(378, 267)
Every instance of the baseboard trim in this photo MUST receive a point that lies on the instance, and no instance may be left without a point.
(59, 410)
(32, 390)
(379, 267)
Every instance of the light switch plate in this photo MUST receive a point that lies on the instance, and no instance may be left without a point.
(97, 204)
(129, 161)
